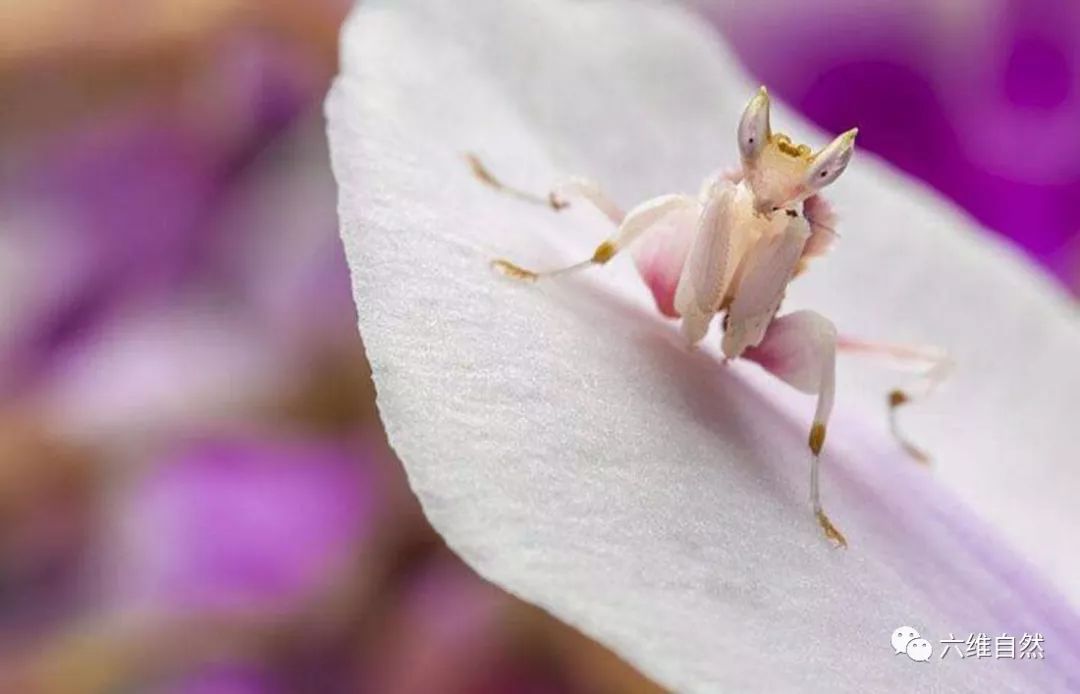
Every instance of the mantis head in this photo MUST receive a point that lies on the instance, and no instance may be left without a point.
(779, 172)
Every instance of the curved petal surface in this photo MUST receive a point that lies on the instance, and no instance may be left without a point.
(569, 448)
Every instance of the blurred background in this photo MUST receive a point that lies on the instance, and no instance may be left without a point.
(195, 492)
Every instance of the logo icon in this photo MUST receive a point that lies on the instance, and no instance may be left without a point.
(906, 640)
(919, 650)
(901, 637)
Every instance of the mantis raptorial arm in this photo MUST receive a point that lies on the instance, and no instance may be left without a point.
(767, 269)
(709, 265)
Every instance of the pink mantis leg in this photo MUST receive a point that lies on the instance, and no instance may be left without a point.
(934, 365)
(800, 349)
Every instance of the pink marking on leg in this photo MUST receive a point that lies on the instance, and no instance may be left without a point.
(661, 255)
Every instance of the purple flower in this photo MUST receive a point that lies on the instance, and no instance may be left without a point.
(124, 209)
(980, 100)
(223, 679)
(241, 524)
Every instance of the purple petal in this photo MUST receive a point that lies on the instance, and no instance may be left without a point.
(979, 100)
(242, 523)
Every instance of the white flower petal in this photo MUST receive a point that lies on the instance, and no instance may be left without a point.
(573, 452)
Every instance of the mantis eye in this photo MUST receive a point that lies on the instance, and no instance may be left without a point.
(830, 162)
(754, 128)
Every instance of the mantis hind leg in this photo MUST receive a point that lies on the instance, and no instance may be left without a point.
(800, 349)
(558, 199)
(630, 226)
(935, 366)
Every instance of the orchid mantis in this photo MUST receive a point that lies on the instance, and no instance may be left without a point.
(732, 250)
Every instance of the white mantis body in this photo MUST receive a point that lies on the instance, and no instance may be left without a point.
(732, 250)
